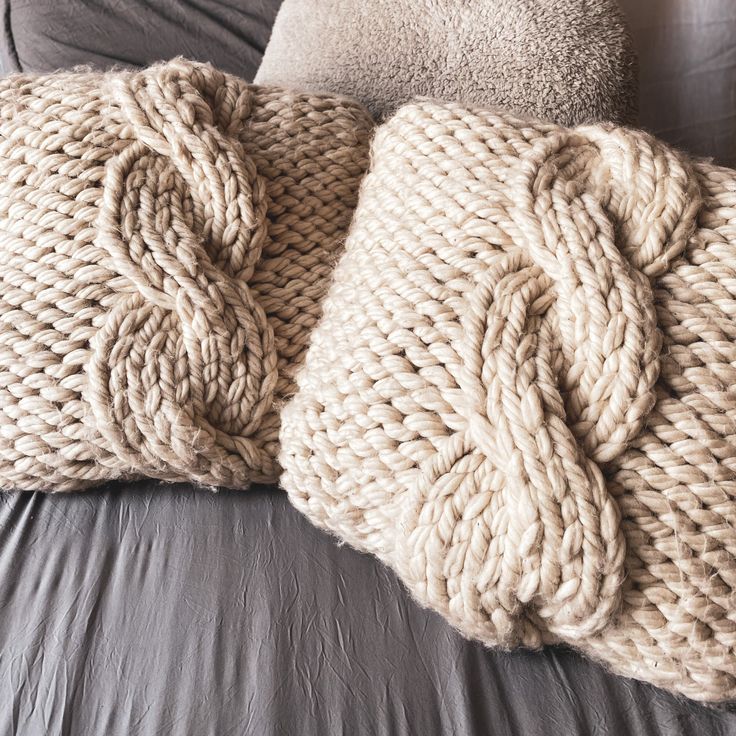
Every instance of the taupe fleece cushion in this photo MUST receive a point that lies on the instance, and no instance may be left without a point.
(568, 61)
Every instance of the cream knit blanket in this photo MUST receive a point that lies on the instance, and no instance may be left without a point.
(165, 241)
(522, 393)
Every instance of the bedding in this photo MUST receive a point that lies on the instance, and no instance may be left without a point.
(143, 609)
(520, 394)
(45, 35)
(564, 60)
(166, 238)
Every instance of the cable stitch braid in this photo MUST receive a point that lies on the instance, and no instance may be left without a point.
(183, 370)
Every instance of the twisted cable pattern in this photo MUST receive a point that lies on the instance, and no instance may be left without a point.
(520, 395)
(154, 229)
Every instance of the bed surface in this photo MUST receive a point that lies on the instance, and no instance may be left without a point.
(146, 609)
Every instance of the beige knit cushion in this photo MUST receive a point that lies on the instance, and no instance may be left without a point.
(522, 393)
(165, 240)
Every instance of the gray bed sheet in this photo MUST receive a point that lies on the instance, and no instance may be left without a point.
(151, 610)
(148, 609)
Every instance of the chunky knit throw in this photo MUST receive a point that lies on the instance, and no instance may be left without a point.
(165, 241)
(522, 393)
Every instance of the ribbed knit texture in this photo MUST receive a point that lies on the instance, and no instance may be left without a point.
(165, 241)
(521, 395)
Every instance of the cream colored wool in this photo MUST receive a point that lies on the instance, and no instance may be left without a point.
(522, 393)
(165, 241)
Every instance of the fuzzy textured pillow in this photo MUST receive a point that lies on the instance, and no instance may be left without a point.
(569, 61)
(166, 238)
(521, 393)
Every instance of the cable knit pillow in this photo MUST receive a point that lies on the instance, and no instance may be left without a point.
(570, 61)
(165, 240)
(522, 393)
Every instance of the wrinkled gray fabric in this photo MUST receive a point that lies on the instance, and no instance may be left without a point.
(164, 610)
(156, 610)
(43, 35)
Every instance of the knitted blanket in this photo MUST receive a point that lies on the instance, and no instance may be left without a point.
(522, 392)
(165, 241)
(570, 61)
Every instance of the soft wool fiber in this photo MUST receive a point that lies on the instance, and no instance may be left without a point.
(570, 61)
(165, 241)
(521, 395)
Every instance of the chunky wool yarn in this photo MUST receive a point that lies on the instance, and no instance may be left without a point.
(522, 392)
(165, 240)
